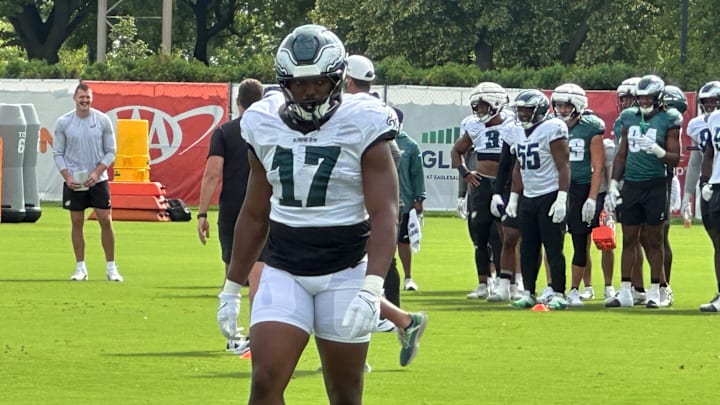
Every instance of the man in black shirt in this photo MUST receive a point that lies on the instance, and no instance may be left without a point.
(227, 161)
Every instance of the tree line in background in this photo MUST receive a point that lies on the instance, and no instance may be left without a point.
(596, 43)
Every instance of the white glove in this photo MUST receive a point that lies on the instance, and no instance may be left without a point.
(643, 142)
(613, 196)
(512, 207)
(588, 210)
(363, 314)
(656, 150)
(707, 192)
(686, 207)
(462, 207)
(497, 205)
(227, 315)
(559, 208)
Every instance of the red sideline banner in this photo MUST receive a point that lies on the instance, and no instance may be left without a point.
(181, 118)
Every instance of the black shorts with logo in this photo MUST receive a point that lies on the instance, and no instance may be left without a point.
(509, 221)
(644, 202)
(710, 210)
(97, 196)
(479, 200)
(226, 234)
(577, 195)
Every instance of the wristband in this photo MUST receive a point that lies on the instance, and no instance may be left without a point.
(202, 215)
(561, 197)
(463, 170)
(374, 284)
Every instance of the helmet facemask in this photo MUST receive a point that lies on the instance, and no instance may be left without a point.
(311, 52)
(626, 93)
(488, 114)
(534, 100)
(314, 110)
(650, 85)
(709, 97)
(491, 94)
(573, 95)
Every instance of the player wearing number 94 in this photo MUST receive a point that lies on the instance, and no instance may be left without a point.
(542, 175)
(321, 171)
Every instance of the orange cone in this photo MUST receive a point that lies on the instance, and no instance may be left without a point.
(540, 308)
(246, 356)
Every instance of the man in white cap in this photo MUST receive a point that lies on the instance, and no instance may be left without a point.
(359, 75)
(410, 326)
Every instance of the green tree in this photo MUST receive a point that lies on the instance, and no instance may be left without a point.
(125, 42)
(41, 27)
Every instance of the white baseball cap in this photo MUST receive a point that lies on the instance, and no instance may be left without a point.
(360, 68)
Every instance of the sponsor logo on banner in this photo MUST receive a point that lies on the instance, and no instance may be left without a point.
(436, 146)
(181, 118)
(166, 134)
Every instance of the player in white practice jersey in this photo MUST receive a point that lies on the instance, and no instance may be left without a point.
(321, 172)
(710, 204)
(697, 129)
(542, 175)
(483, 132)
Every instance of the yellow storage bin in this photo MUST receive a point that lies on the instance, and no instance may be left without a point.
(132, 137)
(131, 175)
(132, 162)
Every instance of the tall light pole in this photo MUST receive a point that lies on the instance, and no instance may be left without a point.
(167, 26)
(101, 31)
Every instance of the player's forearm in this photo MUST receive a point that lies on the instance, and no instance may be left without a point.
(517, 184)
(382, 242)
(596, 181)
(100, 169)
(618, 168)
(208, 186)
(564, 178)
(505, 169)
(693, 171)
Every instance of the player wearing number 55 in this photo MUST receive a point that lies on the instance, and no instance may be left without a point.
(541, 178)
(321, 171)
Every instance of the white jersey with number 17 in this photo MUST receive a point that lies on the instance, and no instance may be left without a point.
(317, 177)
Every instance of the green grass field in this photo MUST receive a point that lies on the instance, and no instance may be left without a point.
(154, 340)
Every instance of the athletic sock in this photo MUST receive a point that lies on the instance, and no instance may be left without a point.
(231, 287)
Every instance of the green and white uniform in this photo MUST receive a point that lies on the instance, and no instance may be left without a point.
(579, 138)
(639, 165)
(318, 221)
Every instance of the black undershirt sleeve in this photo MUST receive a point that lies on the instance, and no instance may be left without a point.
(504, 173)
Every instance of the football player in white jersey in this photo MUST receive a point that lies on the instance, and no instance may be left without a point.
(542, 176)
(673, 97)
(409, 326)
(709, 100)
(710, 204)
(483, 132)
(321, 170)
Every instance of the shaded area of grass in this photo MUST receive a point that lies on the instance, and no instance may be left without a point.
(153, 339)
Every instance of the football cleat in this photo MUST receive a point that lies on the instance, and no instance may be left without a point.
(574, 299)
(79, 275)
(621, 299)
(480, 292)
(712, 306)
